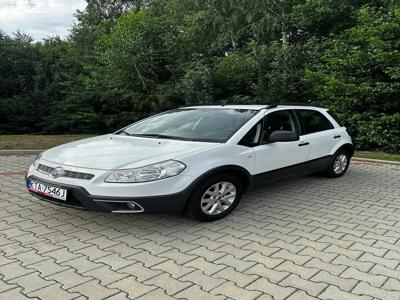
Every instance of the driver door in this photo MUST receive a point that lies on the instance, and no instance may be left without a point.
(279, 159)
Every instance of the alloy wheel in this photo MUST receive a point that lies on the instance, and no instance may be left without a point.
(218, 198)
(340, 164)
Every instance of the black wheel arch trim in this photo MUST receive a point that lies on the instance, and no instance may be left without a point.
(224, 169)
(348, 147)
(249, 184)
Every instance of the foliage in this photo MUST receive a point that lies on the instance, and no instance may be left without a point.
(126, 59)
(380, 133)
(358, 78)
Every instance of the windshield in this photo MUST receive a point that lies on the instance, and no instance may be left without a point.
(195, 124)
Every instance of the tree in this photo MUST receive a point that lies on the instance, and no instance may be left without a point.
(126, 59)
(359, 77)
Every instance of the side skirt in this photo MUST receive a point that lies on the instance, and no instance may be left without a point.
(308, 167)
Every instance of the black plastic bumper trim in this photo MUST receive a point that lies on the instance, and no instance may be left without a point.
(172, 203)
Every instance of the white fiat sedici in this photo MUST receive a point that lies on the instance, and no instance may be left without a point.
(198, 160)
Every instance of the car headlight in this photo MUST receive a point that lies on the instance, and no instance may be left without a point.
(37, 158)
(153, 172)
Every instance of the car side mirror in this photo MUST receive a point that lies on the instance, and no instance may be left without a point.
(283, 136)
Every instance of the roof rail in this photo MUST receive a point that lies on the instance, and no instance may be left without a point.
(290, 104)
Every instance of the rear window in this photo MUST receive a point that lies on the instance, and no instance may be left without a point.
(312, 121)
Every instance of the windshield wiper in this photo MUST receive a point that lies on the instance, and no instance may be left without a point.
(158, 136)
(123, 132)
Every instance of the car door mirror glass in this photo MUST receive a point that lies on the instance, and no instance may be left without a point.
(283, 136)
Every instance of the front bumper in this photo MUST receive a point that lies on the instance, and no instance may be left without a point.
(79, 197)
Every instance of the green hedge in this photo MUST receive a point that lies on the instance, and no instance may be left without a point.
(381, 133)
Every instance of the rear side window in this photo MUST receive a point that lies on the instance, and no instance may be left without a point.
(336, 118)
(312, 121)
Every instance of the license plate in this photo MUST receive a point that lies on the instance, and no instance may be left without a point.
(47, 190)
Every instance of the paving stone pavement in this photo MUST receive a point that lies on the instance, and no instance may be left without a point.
(301, 238)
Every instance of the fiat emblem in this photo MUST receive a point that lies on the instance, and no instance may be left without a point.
(57, 172)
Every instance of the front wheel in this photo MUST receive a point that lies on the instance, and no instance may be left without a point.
(339, 164)
(215, 198)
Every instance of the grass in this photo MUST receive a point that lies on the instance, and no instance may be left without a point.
(24, 142)
(377, 155)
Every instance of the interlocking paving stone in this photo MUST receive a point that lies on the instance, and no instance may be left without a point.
(169, 284)
(342, 283)
(47, 267)
(206, 282)
(364, 288)
(105, 275)
(237, 277)
(297, 239)
(14, 270)
(31, 282)
(230, 290)
(156, 294)
(133, 287)
(69, 278)
(141, 272)
(275, 290)
(53, 292)
(194, 293)
(209, 255)
(14, 294)
(268, 273)
(375, 280)
(299, 294)
(290, 267)
(205, 266)
(312, 288)
(94, 290)
(332, 292)
(173, 268)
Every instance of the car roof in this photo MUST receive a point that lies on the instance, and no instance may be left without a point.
(252, 107)
(260, 107)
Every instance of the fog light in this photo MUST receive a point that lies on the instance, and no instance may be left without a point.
(132, 205)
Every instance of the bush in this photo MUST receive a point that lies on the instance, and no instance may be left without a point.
(381, 133)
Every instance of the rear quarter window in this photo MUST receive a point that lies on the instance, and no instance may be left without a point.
(312, 121)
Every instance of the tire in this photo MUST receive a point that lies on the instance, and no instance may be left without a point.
(207, 196)
(338, 165)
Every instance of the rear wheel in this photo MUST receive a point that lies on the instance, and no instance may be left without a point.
(339, 164)
(215, 198)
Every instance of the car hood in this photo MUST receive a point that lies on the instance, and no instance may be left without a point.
(114, 151)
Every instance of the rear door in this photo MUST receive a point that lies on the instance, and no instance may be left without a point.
(317, 133)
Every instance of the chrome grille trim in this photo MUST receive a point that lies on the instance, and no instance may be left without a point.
(70, 174)
(44, 169)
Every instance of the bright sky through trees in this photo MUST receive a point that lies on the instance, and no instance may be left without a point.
(39, 18)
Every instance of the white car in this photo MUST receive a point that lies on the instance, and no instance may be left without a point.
(197, 159)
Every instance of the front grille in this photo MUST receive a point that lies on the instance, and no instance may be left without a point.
(71, 174)
(78, 175)
(44, 169)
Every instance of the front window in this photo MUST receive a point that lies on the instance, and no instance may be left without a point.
(281, 120)
(195, 124)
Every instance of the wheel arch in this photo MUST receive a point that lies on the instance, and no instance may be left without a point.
(244, 176)
(347, 147)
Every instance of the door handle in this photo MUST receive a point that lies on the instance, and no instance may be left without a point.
(304, 144)
(337, 136)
